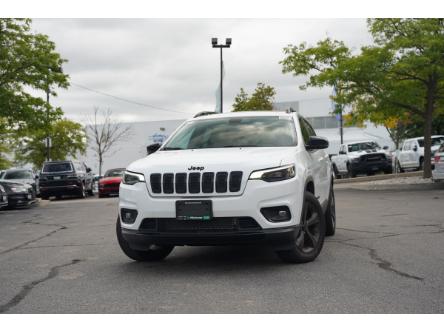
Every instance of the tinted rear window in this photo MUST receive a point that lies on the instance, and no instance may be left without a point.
(58, 167)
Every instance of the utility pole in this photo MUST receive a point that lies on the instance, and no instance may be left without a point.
(341, 125)
(48, 139)
(221, 46)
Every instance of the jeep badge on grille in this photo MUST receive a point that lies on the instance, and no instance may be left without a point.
(196, 168)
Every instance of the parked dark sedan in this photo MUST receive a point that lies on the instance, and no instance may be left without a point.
(19, 194)
(3, 197)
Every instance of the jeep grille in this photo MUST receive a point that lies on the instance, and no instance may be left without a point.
(196, 182)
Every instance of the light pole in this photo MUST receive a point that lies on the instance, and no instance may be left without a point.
(221, 46)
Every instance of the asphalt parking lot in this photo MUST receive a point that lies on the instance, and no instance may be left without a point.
(387, 257)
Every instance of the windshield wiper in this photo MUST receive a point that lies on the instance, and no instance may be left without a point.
(241, 146)
(172, 148)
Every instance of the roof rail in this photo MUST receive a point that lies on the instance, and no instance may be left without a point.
(291, 110)
(204, 113)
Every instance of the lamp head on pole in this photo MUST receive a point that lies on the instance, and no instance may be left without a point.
(214, 42)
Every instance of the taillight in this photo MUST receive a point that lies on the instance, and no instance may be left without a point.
(437, 158)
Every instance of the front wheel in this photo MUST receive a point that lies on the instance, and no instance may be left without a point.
(330, 214)
(154, 252)
(308, 244)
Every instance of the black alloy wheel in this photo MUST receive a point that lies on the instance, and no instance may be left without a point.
(310, 239)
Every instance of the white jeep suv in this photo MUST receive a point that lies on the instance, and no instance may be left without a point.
(234, 178)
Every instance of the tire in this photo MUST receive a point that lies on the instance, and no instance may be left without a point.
(82, 193)
(336, 172)
(156, 253)
(102, 195)
(44, 197)
(330, 214)
(351, 173)
(307, 245)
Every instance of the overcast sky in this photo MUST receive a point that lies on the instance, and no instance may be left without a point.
(169, 63)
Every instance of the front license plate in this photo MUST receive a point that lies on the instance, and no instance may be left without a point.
(194, 210)
(29, 196)
(375, 168)
(57, 178)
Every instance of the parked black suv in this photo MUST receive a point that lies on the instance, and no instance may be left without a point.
(60, 178)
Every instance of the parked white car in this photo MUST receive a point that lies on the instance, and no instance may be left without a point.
(361, 157)
(411, 153)
(234, 178)
(438, 172)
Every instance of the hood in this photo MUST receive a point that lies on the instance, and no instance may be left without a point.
(368, 152)
(107, 180)
(213, 160)
(20, 181)
(7, 184)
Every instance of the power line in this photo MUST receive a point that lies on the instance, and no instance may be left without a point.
(124, 99)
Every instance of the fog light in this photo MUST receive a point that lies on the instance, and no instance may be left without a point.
(277, 214)
(128, 215)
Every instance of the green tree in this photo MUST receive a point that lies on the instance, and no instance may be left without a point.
(261, 99)
(401, 74)
(5, 146)
(68, 139)
(28, 61)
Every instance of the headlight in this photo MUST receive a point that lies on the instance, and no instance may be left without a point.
(355, 160)
(131, 178)
(2, 189)
(274, 174)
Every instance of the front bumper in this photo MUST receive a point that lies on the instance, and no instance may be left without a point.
(278, 238)
(366, 167)
(109, 190)
(256, 195)
(21, 200)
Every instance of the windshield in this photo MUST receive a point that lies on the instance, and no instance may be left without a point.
(363, 146)
(57, 167)
(114, 173)
(435, 141)
(265, 131)
(17, 174)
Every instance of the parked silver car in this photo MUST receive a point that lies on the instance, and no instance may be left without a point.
(25, 176)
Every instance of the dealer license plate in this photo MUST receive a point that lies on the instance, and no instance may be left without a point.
(194, 210)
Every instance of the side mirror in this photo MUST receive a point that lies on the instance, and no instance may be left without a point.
(415, 148)
(88, 169)
(341, 152)
(385, 147)
(36, 177)
(152, 148)
(316, 142)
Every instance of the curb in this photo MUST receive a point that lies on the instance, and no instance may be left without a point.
(391, 187)
(378, 177)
